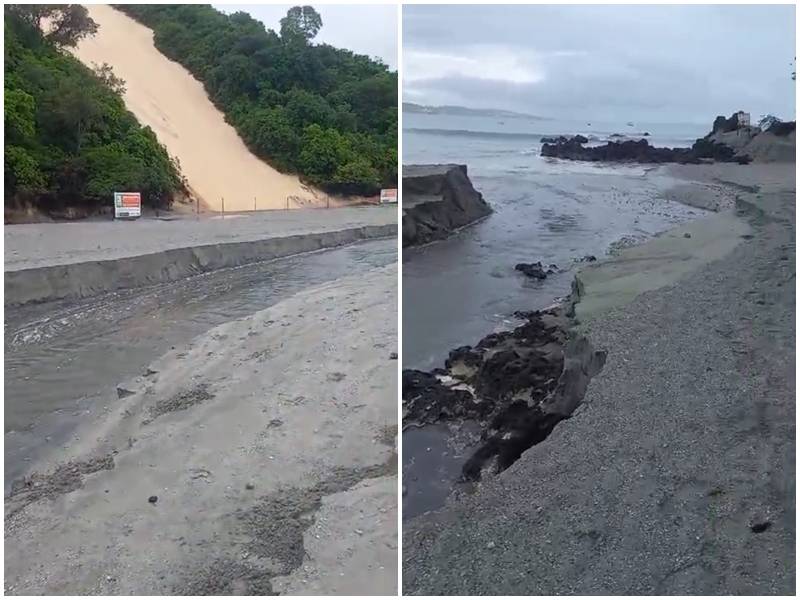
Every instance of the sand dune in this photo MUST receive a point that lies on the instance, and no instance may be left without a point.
(165, 96)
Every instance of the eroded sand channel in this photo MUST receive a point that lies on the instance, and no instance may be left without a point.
(63, 361)
(256, 457)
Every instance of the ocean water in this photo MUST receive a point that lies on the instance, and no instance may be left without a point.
(487, 142)
(555, 211)
(548, 210)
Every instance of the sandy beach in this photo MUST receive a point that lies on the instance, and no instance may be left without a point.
(165, 97)
(676, 474)
(258, 458)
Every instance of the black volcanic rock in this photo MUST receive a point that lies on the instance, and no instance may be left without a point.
(535, 270)
(641, 151)
(580, 139)
(724, 125)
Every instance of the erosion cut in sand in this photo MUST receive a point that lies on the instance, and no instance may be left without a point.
(164, 96)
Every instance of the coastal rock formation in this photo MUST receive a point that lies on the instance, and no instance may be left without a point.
(774, 144)
(641, 151)
(518, 385)
(730, 140)
(781, 128)
(724, 124)
(437, 200)
(563, 138)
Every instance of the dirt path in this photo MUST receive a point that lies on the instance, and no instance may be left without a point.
(166, 97)
(263, 449)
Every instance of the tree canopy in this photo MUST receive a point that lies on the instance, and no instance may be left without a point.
(69, 141)
(65, 24)
(325, 113)
(301, 23)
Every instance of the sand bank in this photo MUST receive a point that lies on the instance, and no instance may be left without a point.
(253, 440)
(167, 98)
(676, 475)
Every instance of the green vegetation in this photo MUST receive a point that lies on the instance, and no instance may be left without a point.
(323, 112)
(69, 141)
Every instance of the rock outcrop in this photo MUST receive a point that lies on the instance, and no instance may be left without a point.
(728, 141)
(438, 200)
(563, 138)
(641, 151)
(536, 270)
(517, 385)
(774, 144)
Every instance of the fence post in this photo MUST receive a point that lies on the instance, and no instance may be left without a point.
(223, 207)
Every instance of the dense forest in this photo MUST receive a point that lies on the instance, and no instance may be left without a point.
(322, 112)
(69, 140)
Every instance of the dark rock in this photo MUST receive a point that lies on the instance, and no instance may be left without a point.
(152, 499)
(646, 134)
(642, 152)
(502, 383)
(249, 486)
(781, 128)
(534, 270)
(704, 148)
(438, 200)
(393, 356)
(724, 125)
(587, 258)
(561, 139)
(428, 400)
(687, 235)
(760, 527)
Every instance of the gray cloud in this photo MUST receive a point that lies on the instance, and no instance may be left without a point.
(655, 62)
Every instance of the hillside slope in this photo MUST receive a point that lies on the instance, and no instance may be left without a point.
(69, 141)
(165, 97)
(322, 112)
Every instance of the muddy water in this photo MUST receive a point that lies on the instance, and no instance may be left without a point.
(461, 289)
(457, 291)
(64, 360)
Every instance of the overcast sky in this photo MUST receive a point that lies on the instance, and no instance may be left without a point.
(364, 29)
(648, 63)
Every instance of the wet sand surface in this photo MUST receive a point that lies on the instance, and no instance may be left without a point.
(63, 360)
(257, 457)
(677, 474)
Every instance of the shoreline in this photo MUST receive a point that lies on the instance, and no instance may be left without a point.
(216, 505)
(420, 567)
(506, 429)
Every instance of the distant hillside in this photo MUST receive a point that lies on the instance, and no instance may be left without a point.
(312, 109)
(69, 141)
(469, 112)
